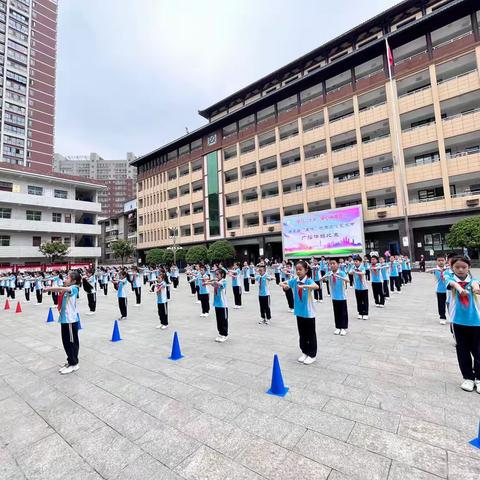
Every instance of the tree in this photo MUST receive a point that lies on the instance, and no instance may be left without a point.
(168, 256)
(154, 256)
(221, 250)
(54, 250)
(197, 253)
(181, 254)
(122, 249)
(465, 233)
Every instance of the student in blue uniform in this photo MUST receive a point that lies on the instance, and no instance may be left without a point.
(350, 268)
(324, 267)
(337, 281)
(377, 282)
(366, 265)
(286, 274)
(121, 284)
(38, 286)
(236, 275)
(385, 276)
(91, 294)
(162, 302)
(302, 287)
(68, 320)
(361, 288)
(137, 286)
(394, 275)
(203, 291)
(245, 275)
(441, 280)
(315, 269)
(27, 281)
(464, 311)
(174, 275)
(220, 304)
(263, 295)
(276, 271)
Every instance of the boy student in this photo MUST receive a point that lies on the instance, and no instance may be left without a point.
(246, 283)
(137, 286)
(406, 270)
(287, 274)
(38, 286)
(337, 281)
(361, 289)
(263, 295)
(219, 285)
(121, 285)
(366, 264)
(68, 320)
(377, 282)
(464, 311)
(385, 270)
(324, 267)
(395, 281)
(304, 311)
(441, 278)
(203, 291)
(162, 302)
(315, 269)
(236, 275)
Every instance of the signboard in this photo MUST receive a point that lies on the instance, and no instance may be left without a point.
(336, 232)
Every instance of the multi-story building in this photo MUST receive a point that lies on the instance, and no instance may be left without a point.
(119, 227)
(117, 175)
(36, 208)
(329, 130)
(28, 31)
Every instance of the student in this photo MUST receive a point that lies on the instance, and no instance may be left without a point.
(377, 282)
(121, 285)
(236, 275)
(324, 267)
(12, 280)
(68, 320)
(286, 275)
(245, 275)
(404, 261)
(191, 277)
(27, 280)
(366, 265)
(276, 271)
(137, 286)
(394, 275)
(54, 279)
(251, 270)
(220, 304)
(174, 276)
(198, 283)
(337, 281)
(350, 269)
(104, 281)
(91, 294)
(441, 280)
(203, 292)
(464, 311)
(304, 310)
(385, 269)
(361, 289)
(263, 295)
(408, 267)
(162, 302)
(38, 286)
(315, 269)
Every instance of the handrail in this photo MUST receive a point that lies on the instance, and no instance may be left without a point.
(458, 37)
(462, 153)
(426, 200)
(375, 207)
(419, 126)
(461, 114)
(456, 76)
(466, 194)
(371, 107)
(344, 148)
(422, 89)
(398, 62)
(423, 162)
(386, 135)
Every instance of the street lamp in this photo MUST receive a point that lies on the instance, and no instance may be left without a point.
(173, 232)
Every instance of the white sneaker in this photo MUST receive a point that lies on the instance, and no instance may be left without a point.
(337, 331)
(309, 360)
(198, 301)
(365, 317)
(468, 385)
(261, 321)
(163, 327)
(320, 301)
(381, 306)
(69, 369)
(359, 317)
(443, 321)
(302, 358)
(221, 339)
(89, 313)
(63, 367)
(137, 304)
(343, 332)
(266, 322)
(477, 385)
(290, 310)
(202, 314)
(158, 327)
(328, 295)
(218, 339)
(206, 314)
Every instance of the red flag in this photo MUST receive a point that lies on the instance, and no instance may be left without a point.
(389, 54)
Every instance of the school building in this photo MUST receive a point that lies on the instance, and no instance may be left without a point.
(330, 130)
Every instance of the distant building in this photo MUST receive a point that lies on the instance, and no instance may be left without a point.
(28, 46)
(119, 227)
(117, 175)
(37, 208)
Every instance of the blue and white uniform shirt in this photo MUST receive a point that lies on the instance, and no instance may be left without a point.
(220, 293)
(68, 308)
(303, 298)
(464, 309)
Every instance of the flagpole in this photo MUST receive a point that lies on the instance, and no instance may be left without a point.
(399, 149)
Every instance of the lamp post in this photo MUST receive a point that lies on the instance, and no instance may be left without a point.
(173, 235)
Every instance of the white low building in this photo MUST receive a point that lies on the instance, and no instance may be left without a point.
(37, 208)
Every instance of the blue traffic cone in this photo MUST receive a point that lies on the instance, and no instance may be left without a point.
(50, 316)
(116, 332)
(278, 388)
(176, 352)
(476, 441)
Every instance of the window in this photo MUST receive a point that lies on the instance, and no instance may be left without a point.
(267, 138)
(246, 122)
(4, 241)
(68, 218)
(57, 239)
(67, 240)
(266, 114)
(34, 215)
(311, 93)
(287, 105)
(5, 213)
(56, 217)
(60, 193)
(36, 241)
(33, 190)
(435, 241)
(6, 187)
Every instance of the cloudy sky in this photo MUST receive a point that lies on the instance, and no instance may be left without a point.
(132, 74)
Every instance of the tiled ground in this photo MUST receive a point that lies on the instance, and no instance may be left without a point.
(381, 403)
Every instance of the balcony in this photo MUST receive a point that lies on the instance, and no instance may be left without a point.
(316, 163)
(377, 146)
(347, 187)
(249, 157)
(373, 114)
(269, 176)
(253, 230)
(229, 187)
(342, 125)
(249, 182)
(195, 176)
(289, 143)
(461, 123)
(318, 193)
(464, 163)
(313, 135)
(293, 198)
(422, 172)
(267, 151)
(465, 200)
(20, 251)
(419, 135)
(197, 217)
(270, 202)
(464, 83)
(418, 99)
(379, 180)
(251, 206)
(381, 212)
(345, 155)
(50, 202)
(291, 170)
(435, 204)
(13, 224)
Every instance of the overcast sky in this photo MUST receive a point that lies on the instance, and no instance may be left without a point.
(132, 74)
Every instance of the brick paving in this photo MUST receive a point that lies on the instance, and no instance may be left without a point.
(381, 403)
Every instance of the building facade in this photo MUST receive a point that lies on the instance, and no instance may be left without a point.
(117, 175)
(119, 227)
(37, 208)
(28, 36)
(330, 130)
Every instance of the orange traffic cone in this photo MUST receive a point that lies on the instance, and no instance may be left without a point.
(19, 308)
(7, 305)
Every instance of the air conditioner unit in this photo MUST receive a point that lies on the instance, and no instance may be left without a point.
(271, 229)
(382, 214)
(232, 234)
(473, 202)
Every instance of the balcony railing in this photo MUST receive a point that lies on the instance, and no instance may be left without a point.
(346, 179)
(461, 114)
(411, 129)
(341, 117)
(342, 149)
(456, 76)
(403, 60)
(422, 162)
(451, 40)
(462, 154)
(385, 135)
(376, 207)
(425, 200)
(371, 107)
(426, 87)
(467, 193)
(379, 172)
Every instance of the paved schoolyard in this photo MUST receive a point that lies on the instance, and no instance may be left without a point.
(381, 403)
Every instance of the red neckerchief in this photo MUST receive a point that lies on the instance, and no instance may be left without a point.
(464, 299)
(300, 292)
